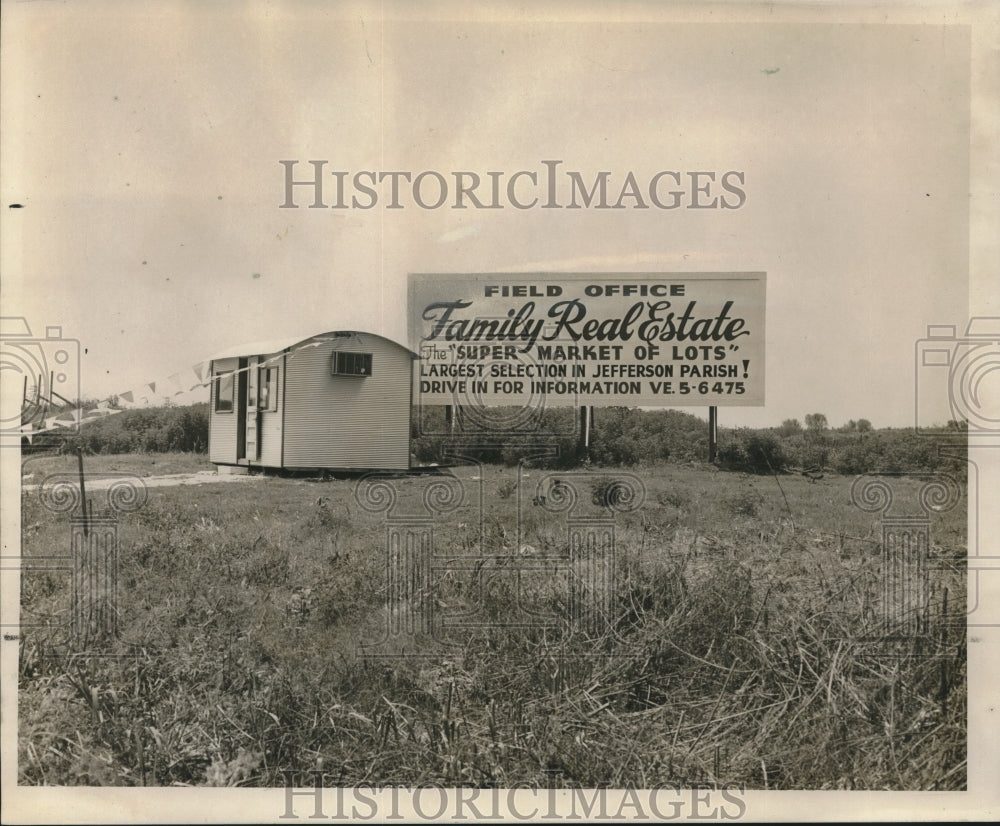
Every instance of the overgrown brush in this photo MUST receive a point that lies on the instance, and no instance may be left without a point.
(144, 430)
(748, 654)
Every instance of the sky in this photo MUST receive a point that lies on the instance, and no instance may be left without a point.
(143, 143)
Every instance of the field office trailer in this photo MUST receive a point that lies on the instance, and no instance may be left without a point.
(339, 400)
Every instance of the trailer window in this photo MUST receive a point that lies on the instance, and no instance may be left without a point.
(351, 364)
(224, 393)
(268, 389)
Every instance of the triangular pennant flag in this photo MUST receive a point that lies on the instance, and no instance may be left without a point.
(199, 370)
(126, 396)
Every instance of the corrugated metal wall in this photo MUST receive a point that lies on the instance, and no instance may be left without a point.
(222, 426)
(348, 421)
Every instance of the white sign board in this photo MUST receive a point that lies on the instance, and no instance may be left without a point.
(602, 339)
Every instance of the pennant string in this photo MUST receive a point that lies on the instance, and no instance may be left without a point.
(144, 393)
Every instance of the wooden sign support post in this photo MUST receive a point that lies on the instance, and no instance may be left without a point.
(713, 432)
(586, 417)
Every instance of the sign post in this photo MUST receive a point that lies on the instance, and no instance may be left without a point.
(586, 417)
(713, 432)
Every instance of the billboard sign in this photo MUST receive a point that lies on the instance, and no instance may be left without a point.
(601, 339)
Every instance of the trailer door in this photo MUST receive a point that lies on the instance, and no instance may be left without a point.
(253, 413)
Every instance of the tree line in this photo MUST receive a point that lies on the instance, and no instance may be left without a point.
(619, 437)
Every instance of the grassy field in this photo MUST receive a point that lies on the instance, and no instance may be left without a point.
(141, 464)
(739, 647)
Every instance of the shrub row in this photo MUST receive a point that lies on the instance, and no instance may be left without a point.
(625, 437)
(884, 451)
(148, 430)
(618, 437)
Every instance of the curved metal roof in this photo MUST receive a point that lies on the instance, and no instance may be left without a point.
(271, 346)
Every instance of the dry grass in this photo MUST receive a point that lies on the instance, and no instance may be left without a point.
(141, 464)
(738, 652)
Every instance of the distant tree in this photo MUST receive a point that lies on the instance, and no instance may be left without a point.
(816, 422)
(864, 426)
(753, 451)
(958, 424)
(850, 427)
(790, 427)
